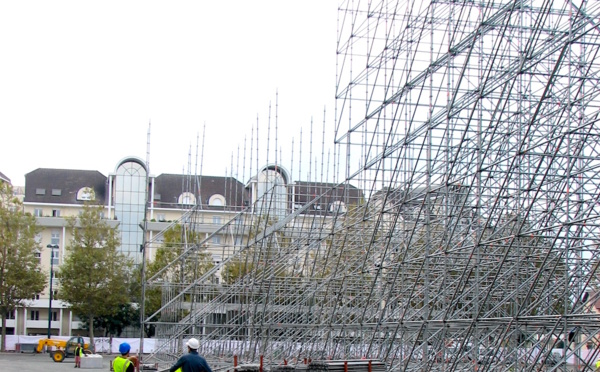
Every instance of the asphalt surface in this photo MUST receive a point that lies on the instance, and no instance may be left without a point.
(29, 362)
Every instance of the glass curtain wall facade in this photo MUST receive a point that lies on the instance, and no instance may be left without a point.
(272, 183)
(130, 191)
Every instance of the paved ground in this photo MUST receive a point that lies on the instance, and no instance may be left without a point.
(28, 362)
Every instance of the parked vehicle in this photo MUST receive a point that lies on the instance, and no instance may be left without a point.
(64, 349)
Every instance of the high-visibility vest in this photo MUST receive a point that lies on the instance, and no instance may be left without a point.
(598, 364)
(120, 364)
(79, 351)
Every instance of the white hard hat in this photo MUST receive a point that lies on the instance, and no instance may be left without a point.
(193, 344)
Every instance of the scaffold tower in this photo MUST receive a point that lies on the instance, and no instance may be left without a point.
(455, 226)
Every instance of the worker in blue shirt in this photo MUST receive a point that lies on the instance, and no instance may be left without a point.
(192, 361)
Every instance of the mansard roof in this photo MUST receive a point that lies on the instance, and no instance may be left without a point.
(169, 187)
(327, 194)
(60, 186)
(4, 178)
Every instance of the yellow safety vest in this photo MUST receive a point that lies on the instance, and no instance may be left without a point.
(120, 364)
(598, 364)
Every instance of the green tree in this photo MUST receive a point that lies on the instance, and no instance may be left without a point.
(238, 266)
(21, 277)
(94, 276)
(181, 271)
(113, 325)
(262, 259)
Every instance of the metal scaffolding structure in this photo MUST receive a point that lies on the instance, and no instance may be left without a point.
(464, 233)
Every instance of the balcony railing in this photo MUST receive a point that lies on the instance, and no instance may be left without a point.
(42, 324)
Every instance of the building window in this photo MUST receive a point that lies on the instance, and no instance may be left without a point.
(156, 196)
(55, 237)
(54, 256)
(56, 213)
(216, 239)
(56, 192)
(54, 316)
(38, 255)
(217, 220)
(36, 297)
(38, 212)
(86, 193)
(40, 191)
(129, 192)
(338, 207)
(187, 198)
(34, 315)
(216, 200)
(10, 315)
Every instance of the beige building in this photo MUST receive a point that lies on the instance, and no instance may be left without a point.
(51, 195)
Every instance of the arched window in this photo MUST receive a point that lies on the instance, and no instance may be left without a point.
(338, 207)
(129, 191)
(272, 187)
(86, 193)
(217, 200)
(187, 198)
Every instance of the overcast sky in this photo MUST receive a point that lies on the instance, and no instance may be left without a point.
(80, 81)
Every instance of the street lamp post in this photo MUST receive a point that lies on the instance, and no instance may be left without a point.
(53, 247)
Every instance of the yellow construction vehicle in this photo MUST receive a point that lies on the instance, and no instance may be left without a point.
(62, 349)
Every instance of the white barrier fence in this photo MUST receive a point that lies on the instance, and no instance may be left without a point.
(102, 344)
(107, 345)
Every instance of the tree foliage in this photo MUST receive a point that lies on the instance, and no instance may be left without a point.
(263, 258)
(21, 277)
(238, 266)
(113, 325)
(181, 271)
(187, 268)
(94, 276)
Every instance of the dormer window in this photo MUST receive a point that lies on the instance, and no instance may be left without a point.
(338, 207)
(56, 192)
(86, 193)
(187, 198)
(217, 200)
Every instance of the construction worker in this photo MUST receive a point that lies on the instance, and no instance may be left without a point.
(124, 362)
(78, 355)
(598, 365)
(192, 361)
